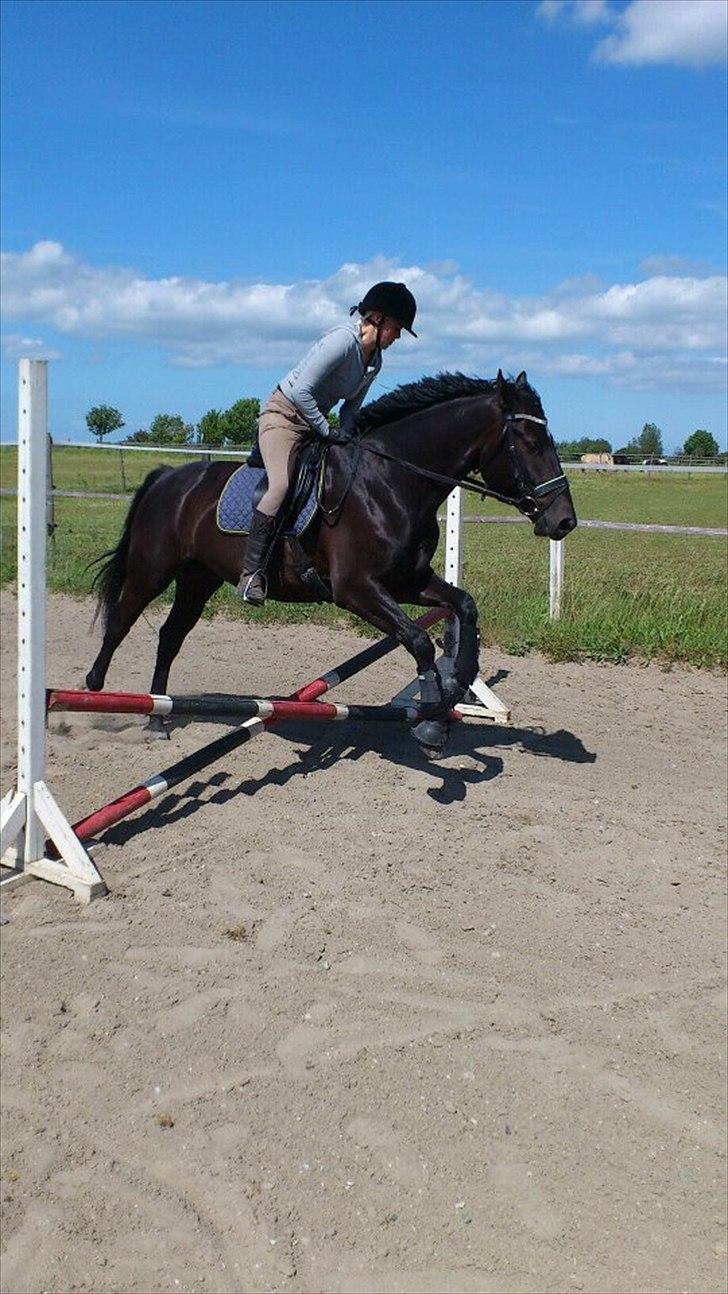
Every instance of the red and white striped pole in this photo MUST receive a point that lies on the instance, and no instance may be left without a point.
(186, 768)
(224, 706)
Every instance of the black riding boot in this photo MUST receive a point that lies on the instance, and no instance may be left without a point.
(252, 585)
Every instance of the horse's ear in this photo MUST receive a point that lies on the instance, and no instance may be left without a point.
(500, 383)
(522, 380)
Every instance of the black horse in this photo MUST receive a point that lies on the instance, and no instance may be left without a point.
(375, 534)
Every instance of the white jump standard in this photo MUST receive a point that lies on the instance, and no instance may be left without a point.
(31, 814)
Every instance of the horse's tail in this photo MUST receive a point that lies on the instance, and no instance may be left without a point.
(109, 578)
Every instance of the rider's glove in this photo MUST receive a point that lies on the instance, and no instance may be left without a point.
(337, 436)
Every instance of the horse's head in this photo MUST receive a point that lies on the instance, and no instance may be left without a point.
(524, 466)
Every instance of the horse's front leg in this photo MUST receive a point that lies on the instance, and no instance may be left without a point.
(371, 601)
(461, 670)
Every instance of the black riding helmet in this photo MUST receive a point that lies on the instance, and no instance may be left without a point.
(392, 299)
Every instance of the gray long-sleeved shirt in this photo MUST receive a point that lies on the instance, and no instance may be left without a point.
(333, 369)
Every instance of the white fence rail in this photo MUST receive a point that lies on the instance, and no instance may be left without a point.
(234, 451)
(205, 451)
(650, 469)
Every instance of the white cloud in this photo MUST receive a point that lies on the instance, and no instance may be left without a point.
(590, 12)
(667, 327)
(586, 13)
(692, 33)
(639, 372)
(689, 32)
(17, 346)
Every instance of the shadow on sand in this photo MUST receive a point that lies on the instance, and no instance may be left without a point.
(331, 744)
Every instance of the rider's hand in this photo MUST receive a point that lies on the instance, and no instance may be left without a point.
(337, 436)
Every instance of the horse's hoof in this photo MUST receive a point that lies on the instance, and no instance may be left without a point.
(93, 683)
(431, 736)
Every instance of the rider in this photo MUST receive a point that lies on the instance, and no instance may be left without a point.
(341, 365)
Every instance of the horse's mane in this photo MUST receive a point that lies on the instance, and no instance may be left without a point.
(415, 397)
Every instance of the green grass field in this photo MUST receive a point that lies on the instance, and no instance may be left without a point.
(675, 499)
(696, 499)
(627, 595)
(103, 471)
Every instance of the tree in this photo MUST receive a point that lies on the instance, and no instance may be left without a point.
(211, 428)
(241, 422)
(700, 445)
(102, 420)
(165, 429)
(649, 442)
(140, 437)
(571, 450)
(170, 429)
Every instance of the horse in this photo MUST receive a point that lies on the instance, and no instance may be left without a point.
(374, 535)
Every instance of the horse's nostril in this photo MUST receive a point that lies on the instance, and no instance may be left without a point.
(566, 526)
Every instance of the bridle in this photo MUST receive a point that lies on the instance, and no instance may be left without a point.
(527, 500)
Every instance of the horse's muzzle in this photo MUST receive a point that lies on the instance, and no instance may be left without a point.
(558, 520)
(563, 528)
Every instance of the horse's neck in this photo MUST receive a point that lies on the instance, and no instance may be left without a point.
(447, 438)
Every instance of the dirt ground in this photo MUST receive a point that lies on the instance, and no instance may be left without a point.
(350, 1021)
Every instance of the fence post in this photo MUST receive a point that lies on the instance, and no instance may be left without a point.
(32, 462)
(479, 700)
(453, 537)
(556, 577)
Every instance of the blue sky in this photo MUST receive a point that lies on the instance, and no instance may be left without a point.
(194, 191)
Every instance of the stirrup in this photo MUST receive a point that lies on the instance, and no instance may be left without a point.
(253, 593)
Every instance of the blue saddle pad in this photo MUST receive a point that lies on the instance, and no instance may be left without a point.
(240, 495)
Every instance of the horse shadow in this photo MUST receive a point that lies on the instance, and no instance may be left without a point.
(334, 743)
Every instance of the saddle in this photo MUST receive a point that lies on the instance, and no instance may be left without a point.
(247, 485)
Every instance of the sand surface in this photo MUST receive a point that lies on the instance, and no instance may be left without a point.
(350, 1021)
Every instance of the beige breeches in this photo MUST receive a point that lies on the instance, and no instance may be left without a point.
(281, 428)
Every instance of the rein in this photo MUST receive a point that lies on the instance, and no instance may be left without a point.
(331, 514)
(526, 502)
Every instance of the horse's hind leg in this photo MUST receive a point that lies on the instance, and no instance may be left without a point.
(135, 597)
(195, 585)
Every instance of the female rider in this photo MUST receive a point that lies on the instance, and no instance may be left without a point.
(340, 366)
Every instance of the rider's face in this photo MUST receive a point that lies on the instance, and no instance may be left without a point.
(389, 332)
